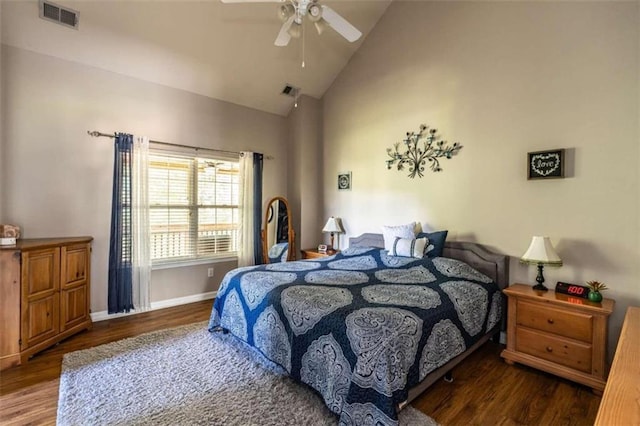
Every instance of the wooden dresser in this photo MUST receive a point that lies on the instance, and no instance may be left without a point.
(559, 334)
(621, 400)
(45, 288)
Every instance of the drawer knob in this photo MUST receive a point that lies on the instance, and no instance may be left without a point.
(549, 349)
(550, 320)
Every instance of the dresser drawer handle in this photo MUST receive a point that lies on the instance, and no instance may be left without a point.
(549, 349)
(550, 320)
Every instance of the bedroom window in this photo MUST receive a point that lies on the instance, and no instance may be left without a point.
(193, 208)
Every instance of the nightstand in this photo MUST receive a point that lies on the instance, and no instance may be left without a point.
(313, 253)
(559, 334)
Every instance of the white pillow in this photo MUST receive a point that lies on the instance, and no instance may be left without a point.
(401, 231)
(406, 247)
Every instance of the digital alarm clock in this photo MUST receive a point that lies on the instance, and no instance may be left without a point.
(572, 289)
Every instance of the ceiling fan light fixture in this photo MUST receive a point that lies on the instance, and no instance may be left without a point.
(314, 12)
(321, 25)
(292, 13)
(295, 30)
(285, 11)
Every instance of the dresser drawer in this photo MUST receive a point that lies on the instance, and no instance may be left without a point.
(572, 354)
(539, 316)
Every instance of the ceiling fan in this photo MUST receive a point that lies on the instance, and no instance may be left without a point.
(292, 13)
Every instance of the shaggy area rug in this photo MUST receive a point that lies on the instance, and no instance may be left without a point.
(187, 376)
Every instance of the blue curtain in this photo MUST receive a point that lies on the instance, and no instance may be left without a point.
(257, 206)
(120, 297)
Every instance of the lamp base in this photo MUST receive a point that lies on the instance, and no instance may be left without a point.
(540, 279)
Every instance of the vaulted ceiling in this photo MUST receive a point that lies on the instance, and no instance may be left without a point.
(223, 51)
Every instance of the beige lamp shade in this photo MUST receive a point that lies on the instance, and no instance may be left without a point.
(333, 225)
(541, 251)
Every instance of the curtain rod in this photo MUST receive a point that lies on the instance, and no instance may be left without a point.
(97, 134)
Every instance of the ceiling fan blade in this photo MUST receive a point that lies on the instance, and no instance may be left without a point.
(341, 25)
(283, 36)
(252, 1)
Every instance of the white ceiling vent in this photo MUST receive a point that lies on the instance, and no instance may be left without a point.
(61, 15)
(290, 90)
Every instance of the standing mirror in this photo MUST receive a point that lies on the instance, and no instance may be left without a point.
(278, 237)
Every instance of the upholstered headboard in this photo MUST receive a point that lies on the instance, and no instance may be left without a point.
(493, 265)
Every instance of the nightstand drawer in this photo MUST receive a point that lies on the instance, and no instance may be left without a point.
(572, 354)
(576, 325)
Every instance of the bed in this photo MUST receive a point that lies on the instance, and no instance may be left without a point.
(368, 331)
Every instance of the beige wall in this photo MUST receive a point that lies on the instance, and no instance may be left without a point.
(503, 79)
(305, 171)
(58, 179)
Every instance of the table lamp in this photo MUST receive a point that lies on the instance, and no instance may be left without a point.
(541, 252)
(334, 226)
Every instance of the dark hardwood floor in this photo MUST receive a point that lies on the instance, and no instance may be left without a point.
(485, 390)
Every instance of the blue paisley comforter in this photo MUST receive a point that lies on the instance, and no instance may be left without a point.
(359, 327)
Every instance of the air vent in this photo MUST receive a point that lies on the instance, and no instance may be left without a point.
(290, 90)
(61, 15)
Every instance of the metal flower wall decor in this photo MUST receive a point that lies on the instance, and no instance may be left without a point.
(419, 148)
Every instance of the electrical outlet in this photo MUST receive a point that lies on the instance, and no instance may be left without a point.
(210, 272)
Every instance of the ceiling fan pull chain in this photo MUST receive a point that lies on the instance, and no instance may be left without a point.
(303, 39)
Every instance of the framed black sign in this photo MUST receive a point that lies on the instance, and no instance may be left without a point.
(545, 164)
(344, 181)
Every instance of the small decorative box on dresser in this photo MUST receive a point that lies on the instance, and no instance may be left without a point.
(45, 290)
(313, 253)
(559, 334)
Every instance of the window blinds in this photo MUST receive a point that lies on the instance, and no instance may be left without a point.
(193, 207)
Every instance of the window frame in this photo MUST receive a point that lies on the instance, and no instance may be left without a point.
(193, 207)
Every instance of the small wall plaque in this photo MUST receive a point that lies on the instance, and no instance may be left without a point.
(344, 181)
(545, 164)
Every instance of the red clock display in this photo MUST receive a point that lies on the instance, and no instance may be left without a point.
(572, 289)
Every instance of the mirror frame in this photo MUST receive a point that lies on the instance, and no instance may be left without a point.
(291, 237)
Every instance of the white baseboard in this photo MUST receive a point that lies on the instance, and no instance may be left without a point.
(161, 304)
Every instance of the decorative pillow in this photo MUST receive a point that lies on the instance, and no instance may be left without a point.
(436, 242)
(401, 231)
(406, 247)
